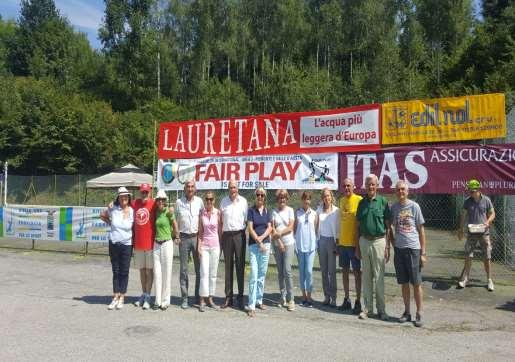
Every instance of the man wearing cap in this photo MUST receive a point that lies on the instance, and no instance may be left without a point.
(144, 230)
(373, 246)
(188, 210)
(477, 217)
(234, 219)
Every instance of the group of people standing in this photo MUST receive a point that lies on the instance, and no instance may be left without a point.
(359, 233)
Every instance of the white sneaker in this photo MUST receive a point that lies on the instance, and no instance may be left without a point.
(490, 285)
(146, 304)
(113, 304)
(140, 301)
(462, 283)
(119, 305)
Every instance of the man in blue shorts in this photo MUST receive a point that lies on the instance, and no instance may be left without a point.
(347, 245)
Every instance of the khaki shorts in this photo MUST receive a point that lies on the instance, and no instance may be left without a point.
(143, 259)
(472, 243)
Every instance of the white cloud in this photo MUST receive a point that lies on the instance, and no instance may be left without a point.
(83, 13)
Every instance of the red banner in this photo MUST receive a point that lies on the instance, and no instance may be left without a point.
(345, 129)
(442, 169)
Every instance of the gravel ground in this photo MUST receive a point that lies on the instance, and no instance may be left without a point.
(53, 307)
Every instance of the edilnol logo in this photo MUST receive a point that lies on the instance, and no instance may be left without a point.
(398, 117)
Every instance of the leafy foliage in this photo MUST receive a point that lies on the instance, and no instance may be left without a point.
(67, 108)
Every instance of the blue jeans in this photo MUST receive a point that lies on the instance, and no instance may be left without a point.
(306, 270)
(258, 266)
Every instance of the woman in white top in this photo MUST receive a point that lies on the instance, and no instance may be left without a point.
(328, 233)
(121, 217)
(283, 219)
(306, 220)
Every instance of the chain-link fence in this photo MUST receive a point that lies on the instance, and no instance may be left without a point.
(441, 212)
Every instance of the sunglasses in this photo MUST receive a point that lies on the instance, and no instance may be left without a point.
(209, 198)
(260, 195)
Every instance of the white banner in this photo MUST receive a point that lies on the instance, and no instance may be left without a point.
(348, 129)
(53, 223)
(294, 172)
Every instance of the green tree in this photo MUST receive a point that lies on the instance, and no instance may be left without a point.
(7, 33)
(45, 44)
(59, 132)
(413, 52)
(130, 37)
(11, 126)
(488, 63)
(448, 28)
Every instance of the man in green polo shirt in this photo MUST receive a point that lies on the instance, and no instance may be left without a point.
(373, 246)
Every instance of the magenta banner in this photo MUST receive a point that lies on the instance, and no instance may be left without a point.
(440, 169)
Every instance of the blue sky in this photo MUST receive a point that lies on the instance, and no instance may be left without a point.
(85, 15)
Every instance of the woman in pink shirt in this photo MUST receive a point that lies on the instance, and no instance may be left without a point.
(208, 245)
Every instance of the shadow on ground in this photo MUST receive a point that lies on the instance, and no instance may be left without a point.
(508, 306)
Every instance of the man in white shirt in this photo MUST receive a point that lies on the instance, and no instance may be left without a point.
(234, 218)
(188, 210)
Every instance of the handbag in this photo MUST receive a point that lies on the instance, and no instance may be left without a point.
(476, 228)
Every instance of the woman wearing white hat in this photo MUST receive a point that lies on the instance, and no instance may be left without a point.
(163, 250)
(121, 217)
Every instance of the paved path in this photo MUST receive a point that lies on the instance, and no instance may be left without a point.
(53, 307)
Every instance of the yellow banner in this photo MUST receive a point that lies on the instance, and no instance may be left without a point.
(444, 119)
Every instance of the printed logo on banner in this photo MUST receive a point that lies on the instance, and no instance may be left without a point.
(398, 117)
(168, 172)
(9, 222)
(319, 173)
(50, 226)
(80, 231)
(182, 172)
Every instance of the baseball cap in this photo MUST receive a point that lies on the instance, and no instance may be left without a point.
(473, 185)
(144, 187)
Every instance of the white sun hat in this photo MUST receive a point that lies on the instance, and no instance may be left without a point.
(123, 191)
(161, 194)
